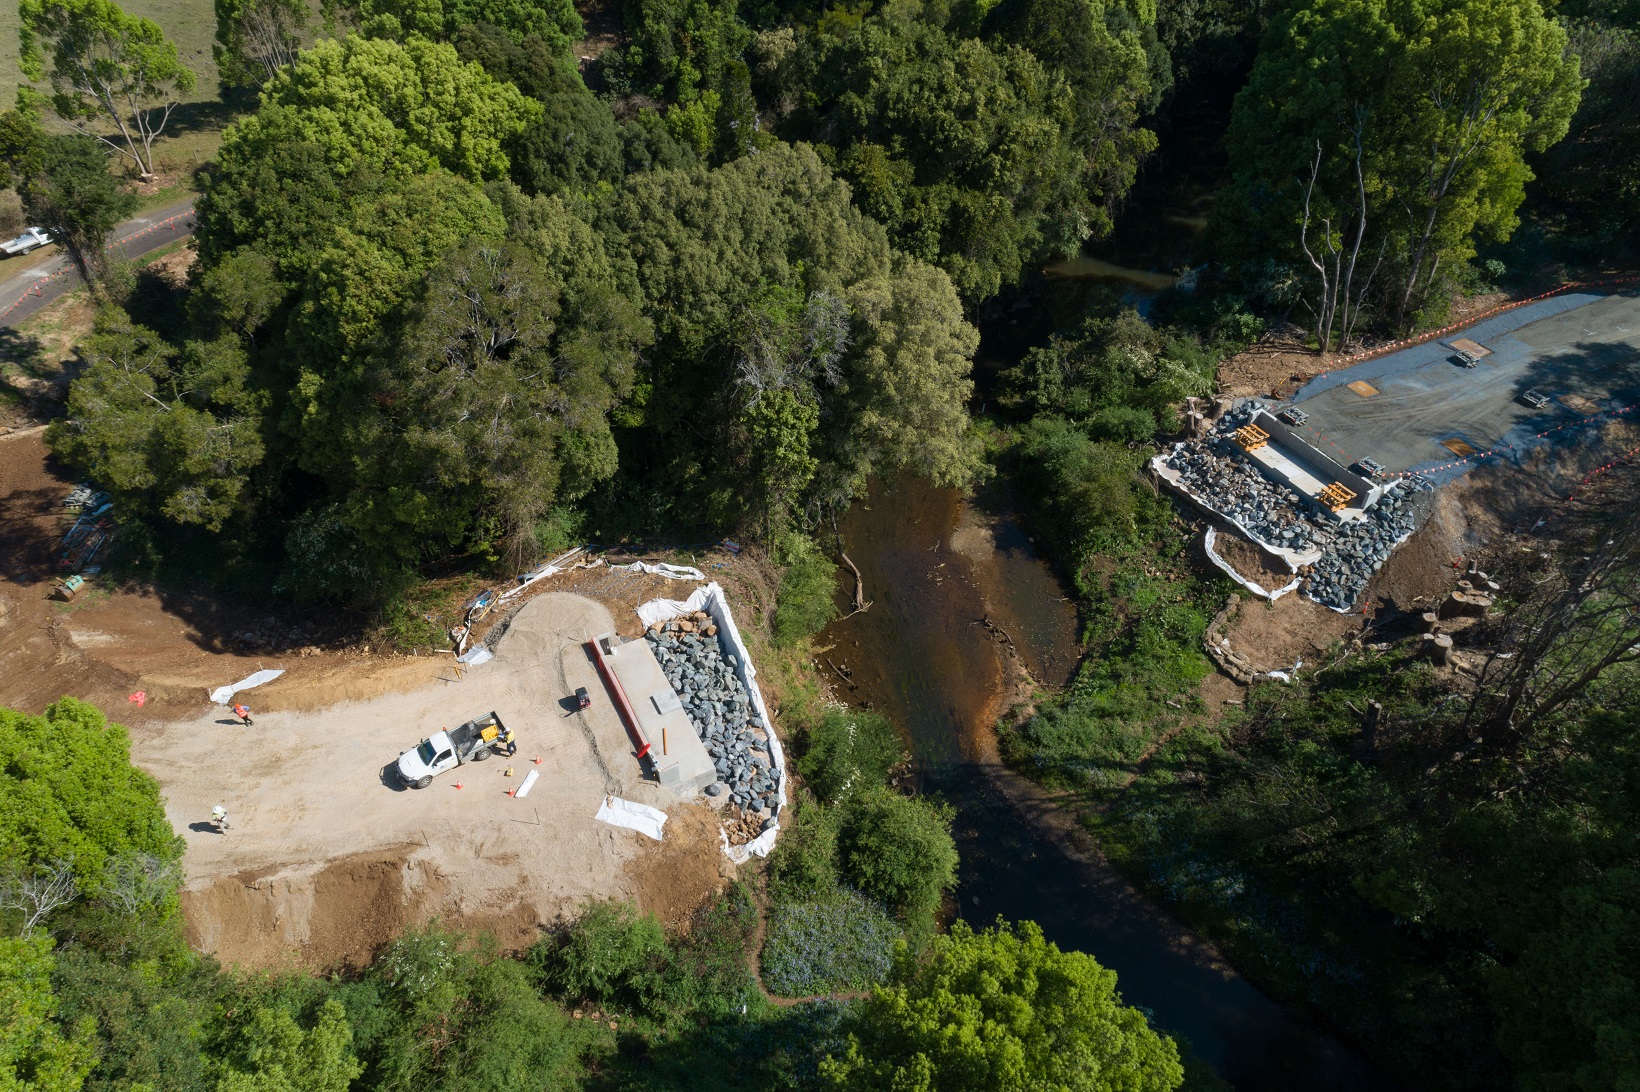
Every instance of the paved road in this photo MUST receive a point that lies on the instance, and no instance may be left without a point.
(1582, 350)
(33, 281)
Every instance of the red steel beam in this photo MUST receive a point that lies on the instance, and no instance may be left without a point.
(622, 704)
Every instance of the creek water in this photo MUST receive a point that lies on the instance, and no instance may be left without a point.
(934, 567)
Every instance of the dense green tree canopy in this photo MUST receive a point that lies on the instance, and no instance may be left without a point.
(271, 1052)
(400, 109)
(68, 792)
(1000, 1011)
(35, 1055)
(768, 251)
(1442, 98)
(165, 432)
(679, 48)
(980, 155)
(554, 22)
(498, 394)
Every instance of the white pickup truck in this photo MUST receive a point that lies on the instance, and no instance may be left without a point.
(32, 239)
(445, 750)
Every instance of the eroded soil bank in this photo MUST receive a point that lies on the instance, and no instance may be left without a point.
(935, 568)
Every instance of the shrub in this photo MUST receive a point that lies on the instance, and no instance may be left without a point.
(804, 863)
(611, 953)
(898, 850)
(808, 590)
(841, 942)
(848, 751)
(615, 955)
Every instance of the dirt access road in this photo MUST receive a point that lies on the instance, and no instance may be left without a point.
(324, 861)
(174, 646)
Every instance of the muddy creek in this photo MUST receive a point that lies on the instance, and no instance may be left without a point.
(935, 567)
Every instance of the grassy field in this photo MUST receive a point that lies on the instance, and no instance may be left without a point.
(191, 24)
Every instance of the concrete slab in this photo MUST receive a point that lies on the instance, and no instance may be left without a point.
(679, 756)
(1581, 349)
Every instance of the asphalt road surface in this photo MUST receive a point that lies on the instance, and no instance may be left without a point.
(1581, 350)
(32, 281)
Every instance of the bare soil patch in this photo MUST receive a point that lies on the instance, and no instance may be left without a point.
(1275, 636)
(328, 856)
(1251, 561)
(39, 358)
(172, 645)
(1281, 361)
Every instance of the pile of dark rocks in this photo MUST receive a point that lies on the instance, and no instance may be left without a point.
(1216, 470)
(1354, 551)
(718, 704)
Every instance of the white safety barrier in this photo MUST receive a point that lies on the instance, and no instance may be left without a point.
(711, 600)
(632, 815)
(222, 693)
(1256, 589)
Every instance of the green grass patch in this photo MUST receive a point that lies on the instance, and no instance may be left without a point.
(191, 24)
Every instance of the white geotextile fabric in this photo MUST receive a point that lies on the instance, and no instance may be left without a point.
(1256, 589)
(671, 572)
(529, 783)
(711, 600)
(632, 815)
(476, 655)
(222, 693)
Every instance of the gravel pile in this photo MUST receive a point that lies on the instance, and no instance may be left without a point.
(702, 673)
(1352, 552)
(1218, 471)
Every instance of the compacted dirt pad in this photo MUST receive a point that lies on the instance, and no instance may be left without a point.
(326, 860)
(328, 855)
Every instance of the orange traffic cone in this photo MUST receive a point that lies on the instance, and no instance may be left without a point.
(538, 760)
(458, 784)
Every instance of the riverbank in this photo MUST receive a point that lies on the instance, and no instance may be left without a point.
(937, 568)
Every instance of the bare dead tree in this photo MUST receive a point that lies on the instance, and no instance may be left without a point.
(1341, 300)
(1572, 636)
(781, 352)
(272, 35)
(1350, 300)
(1326, 264)
(134, 882)
(36, 893)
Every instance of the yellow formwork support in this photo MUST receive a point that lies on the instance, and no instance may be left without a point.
(1336, 496)
(1251, 437)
